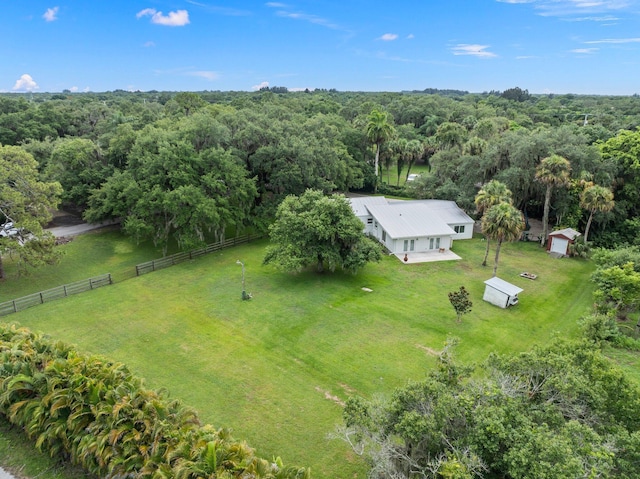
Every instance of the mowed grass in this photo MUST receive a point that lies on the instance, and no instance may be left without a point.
(276, 369)
(96, 252)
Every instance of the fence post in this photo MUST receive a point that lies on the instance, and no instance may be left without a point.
(15, 308)
(90, 284)
(64, 286)
(41, 299)
(109, 276)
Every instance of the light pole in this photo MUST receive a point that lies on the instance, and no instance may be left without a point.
(244, 292)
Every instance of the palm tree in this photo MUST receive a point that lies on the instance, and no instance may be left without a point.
(491, 194)
(552, 171)
(415, 151)
(402, 153)
(379, 131)
(502, 222)
(595, 198)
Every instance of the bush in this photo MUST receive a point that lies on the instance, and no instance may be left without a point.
(600, 327)
(98, 415)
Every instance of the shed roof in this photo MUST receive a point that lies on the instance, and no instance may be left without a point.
(409, 220)
(502, 286)
(567, 233)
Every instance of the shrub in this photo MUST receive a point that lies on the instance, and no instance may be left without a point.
(98, 415)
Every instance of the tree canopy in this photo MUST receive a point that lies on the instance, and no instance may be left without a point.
(555, 412)
(332, 141)
(314, 229)
(25, 202)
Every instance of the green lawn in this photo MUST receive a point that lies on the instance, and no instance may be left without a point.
(275, 369)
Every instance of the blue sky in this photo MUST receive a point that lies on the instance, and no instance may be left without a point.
(544, 46)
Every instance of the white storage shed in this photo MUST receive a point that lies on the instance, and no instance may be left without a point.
(497, 291)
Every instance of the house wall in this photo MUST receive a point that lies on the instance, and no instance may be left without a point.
(367, 222)
(420, 245)
(495, 297)
(466, 234)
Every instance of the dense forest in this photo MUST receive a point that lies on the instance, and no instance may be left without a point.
(190, 167)
(187, 166)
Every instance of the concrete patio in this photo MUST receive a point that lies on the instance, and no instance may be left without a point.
(427, 257)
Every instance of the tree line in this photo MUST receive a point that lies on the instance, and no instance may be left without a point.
(186, 166)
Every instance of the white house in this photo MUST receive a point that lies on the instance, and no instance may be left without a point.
(412, 226)
(560, 240)
(500, 293)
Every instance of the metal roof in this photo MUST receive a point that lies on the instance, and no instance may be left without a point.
(502, 286)
(567, 233)
(359, 203)
(447, 210)
(409, 220)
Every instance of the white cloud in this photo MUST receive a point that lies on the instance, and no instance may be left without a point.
(51, 14)
(179, 18)
(316, 20)
(146, 11)
(232, 12)
(73, 89)
(207, 75)
(615, 40)
(606, 18)
(410, 36)
(389, 37)
(474, 50)
(564, 8)
(25, 83)
(149, 44)
(260, 85)
(584, 51)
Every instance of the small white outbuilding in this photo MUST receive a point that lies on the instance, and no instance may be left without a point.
(497, 291)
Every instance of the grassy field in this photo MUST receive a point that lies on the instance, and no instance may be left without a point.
(277, 368)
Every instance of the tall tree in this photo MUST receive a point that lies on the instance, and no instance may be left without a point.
(450, 135)
(415, 151)
(26, 202)
(379, 130)
(502, 222)
(169, 189)
(79, 166)
(491, 194)
(322, 230)
(595, 198)
(553, 172)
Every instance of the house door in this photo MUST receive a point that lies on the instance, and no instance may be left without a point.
(409, 245)
(434, 243)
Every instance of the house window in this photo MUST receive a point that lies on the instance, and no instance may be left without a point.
(431, 241)
(384, 236)
(406, 245)
(411, 245)
(459, 229)
(369, 221)
(437, 243)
